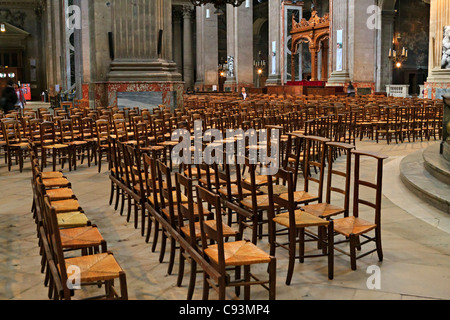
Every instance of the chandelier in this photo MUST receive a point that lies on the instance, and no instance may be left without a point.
(218, 3)
(397, 56)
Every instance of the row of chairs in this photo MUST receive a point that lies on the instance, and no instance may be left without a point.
(188, 207)
(74, 253)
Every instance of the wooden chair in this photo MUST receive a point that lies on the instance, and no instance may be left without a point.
(295, 221)
(353, 227)
(90, 270)
(327, 209)
(15, 144)
(76, 147)
(50, 142)
(168, 201)
(236, 254)
(102, 135)
(189, 227)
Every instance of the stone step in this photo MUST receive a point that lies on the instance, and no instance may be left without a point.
(421, 182)
(436, 164)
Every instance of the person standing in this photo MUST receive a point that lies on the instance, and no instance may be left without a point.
(351, 92)
(9, 98)
(244, 94)
(21, 101)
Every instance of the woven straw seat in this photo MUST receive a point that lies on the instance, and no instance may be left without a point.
(69, 205)
(72, 220)
(85, 237)
(227, 231)
(238, 253)
(300, 196)
(323, 210)
(99, 267)
(52, 175)
(353, 225)
(56, 183)
(60, 194)
(302, 219)
(262, 202)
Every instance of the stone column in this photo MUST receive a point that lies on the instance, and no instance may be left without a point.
(384, 41)
(274, 36)
(207, 48)
(359, 49)
(438, 81)
(188, 54)
(178, 38)
(242, 29)
(230, 83)
(136, 30)
(339, 21)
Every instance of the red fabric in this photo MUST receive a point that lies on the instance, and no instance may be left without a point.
(307, 83)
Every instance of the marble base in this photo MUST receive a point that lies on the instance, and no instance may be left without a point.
(415, 172)
(106, 93)
(446, 151)
(435, 90)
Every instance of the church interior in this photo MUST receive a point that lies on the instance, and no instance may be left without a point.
(245, 150)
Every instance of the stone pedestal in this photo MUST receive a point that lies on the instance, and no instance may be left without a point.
(438, 82)
(445, 145)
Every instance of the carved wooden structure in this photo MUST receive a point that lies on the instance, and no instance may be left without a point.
(313, 31)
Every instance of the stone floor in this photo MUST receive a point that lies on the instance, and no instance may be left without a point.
(415, 242)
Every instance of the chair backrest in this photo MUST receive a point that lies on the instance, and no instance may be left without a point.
(333, 149)
(103, 130)
(11, 132)
(211, 232)
(315, 156)
(166, 189)
(151, 180)
(54, 238)
(66, 130)
(184, 186)
(48, 133)
(377, 186)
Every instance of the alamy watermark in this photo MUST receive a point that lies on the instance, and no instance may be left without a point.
(73, 278)
(73, 17)
(210, 147)
(374, 281)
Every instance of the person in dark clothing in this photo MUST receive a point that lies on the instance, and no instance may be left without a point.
(9, 98)
(351, 90)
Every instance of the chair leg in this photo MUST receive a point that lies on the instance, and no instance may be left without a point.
(353, 251)
(272, 278)
(330, 234)
(301, 247)
(291, 257)
(122, 206)
(192, 279)
(163, 246)
(205, 286)
(149, 229)
(247, 279)
(111, 197)
(173, 247)
(123, 287)
(129, 204)
(181, 264)
(136, 214)
(142, 219)
(378, 244)
(155, 236)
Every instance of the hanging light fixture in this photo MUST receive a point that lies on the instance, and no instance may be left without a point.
(217, 3)
(2, 27)
(398, 54)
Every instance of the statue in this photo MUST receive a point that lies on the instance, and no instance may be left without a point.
(445, 62)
